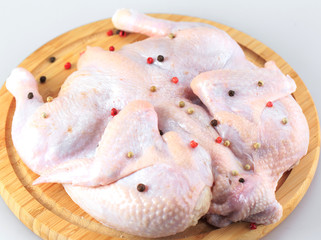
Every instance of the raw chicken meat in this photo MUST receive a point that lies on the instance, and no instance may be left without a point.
(261, 137)
(162, 161)
(107, 80)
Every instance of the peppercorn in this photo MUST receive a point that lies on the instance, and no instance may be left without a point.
(241, 180)
(235, 173)
(110, 33)
(171, 35)
(190, 110)
(227, 143)
(247, 167)
(67, 65)
(193, 144)
(49, 99)
(260, 83)
(117, 31)
(218, 140)
(113, 112)
(52, 59)
(181, 104)
(256, 145)
(214, 123)
(231, 93)
(175, 80)
(160, 58)
(44, 115)
(30, 95)
(43, 79)
(111, 48)
(130, 154)
(284, 121)
(269, 104)
(253, 226)
(122, 34)
(141, 187)
(153, 89)
(161, 132)
(150, 60)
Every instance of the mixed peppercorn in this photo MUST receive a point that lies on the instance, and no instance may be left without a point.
(193, 144)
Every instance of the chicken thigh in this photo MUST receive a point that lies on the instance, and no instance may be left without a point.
(163, 186)
(266, 131)
(147, 155)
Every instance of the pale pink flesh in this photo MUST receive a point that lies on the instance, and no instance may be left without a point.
(133, 130)
(177, 177)
(245, 120)
(107, 80)
(63, 145)
(240, 115)
(133, 21)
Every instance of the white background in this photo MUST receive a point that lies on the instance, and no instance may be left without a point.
(290, 28)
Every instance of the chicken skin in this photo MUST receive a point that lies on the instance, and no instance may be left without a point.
(148, 145)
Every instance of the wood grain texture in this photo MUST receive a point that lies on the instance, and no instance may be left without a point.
(48, 210)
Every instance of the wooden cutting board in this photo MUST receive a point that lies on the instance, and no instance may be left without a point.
(50, 213)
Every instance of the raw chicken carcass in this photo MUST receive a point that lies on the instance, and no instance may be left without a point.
(161, 184)
(107, 80)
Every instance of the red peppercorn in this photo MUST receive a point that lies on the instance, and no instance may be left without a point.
(122, 34)
(269, 104)
(193, 144)
(175, 80)
(113, 112)
(111, 48)
(110, 33)
(218, 140)
(150, 60)
(68, 65)
(252, 226)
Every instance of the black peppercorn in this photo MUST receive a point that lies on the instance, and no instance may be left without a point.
(141, 187)
(43, 79)
(160, 58)
(214, 123)
(161, 132)
(117, 31)
(52, 59)
(241, 180)
(231, 93)
(30, 95)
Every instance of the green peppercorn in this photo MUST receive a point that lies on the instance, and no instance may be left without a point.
(152, 89)
(181, 104)
(190, 110)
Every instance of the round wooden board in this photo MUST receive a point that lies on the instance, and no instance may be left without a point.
(50, 213)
